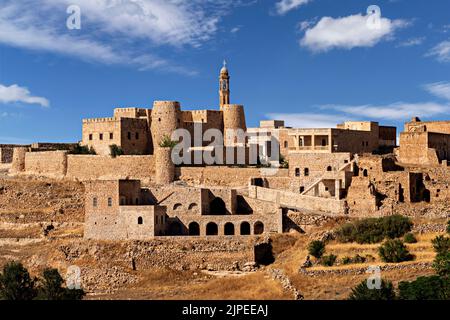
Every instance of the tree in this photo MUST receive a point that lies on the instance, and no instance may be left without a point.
(410, 238)
(16, 283)
(167, 142)
(79, 149)
(115, 150)
(394, 251)
(316, 248)
(425, 288)
(51, 287)
(363, 292)
(441, 244)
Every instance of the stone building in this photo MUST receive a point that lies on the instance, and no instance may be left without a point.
(425, 143)
(122, 210)
(353, 169)
(139, 131)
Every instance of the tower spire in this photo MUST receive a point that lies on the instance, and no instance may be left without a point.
(224, 85)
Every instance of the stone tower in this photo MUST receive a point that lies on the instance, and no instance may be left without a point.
(224, 86)
(166, 117)
(233, 121)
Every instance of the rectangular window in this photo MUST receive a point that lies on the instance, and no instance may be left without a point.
(101, 136)
(90, 136)
(129, 135)
(109, 202)
(137, 135)
(94, 202)
(297, 172)
(111, 136)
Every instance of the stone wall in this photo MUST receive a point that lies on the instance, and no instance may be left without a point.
(83, 167)
(48, 163)
(224, 176)
(295, 200)
(6, 154)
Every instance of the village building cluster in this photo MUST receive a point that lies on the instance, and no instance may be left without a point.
(354, 169)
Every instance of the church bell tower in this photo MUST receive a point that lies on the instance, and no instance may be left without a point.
(224, 83)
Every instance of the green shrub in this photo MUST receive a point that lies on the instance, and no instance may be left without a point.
(395, 226)
(355, 259)
(167, 142)
(442, 264)
(284, 163)
(316, 248)
(394, 251)
(441, 244)
(51, 287)
(374, 230)
(409, 238)
(115, 150)
(346, 233)
(425, 288)
(16, 283)
(78, 149)
(328, 261)
(362, 292)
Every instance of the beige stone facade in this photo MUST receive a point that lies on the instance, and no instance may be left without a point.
(354, 169)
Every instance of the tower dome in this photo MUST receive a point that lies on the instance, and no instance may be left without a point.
(224, 69)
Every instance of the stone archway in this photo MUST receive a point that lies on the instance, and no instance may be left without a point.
(229, 229)
(258, 227)
(245, 228)
(212, 229)
(194, 229)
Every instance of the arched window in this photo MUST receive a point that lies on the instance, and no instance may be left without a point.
(94, 202)
(297, 172)
(140, 220)
(306, 172)
(229, 229)
(329, 168)
(245, 228)
(177, 206)
(258, 227)
(192, 206)
(286, 144)
(365, 173)
(194, 229)
(211, 229)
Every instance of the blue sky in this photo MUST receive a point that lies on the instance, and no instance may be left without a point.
(314, 63)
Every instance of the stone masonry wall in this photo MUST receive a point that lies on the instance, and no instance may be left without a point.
(49, 163)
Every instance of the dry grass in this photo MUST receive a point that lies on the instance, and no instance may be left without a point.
(165, 284)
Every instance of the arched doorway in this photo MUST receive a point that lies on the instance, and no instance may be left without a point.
(217, 207)
(245, 228)
(140, 220)
(258, 227)
(194, 229)
(229, 229)
(211, 229)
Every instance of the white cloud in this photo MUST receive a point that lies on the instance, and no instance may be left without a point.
(439, 89)
(236, 29)
(114, 31)
(394, 111)
(441, 52)
(284, 6)
(308, 120)
(15, 93)
(348, 32)
(412, 42)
